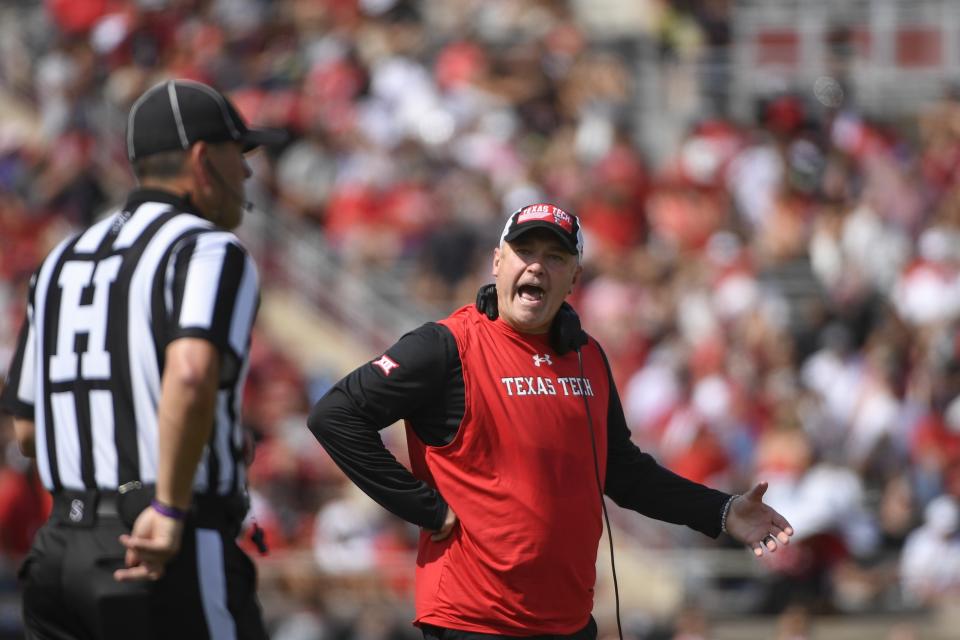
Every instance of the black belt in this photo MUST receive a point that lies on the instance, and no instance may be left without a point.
(433, 632)
(83, 508)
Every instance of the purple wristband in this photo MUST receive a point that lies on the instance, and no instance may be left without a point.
(168, 511)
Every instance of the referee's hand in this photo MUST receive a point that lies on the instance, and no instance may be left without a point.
(154, 541)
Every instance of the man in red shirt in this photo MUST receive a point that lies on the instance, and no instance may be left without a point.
(515, 429)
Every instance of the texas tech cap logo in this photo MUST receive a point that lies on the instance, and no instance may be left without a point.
(563, 219)
(545, 216)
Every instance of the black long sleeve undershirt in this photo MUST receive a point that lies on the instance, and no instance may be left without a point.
(427, 389)
(636, 481)
(347, 421)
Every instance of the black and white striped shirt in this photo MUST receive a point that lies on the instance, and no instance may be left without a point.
(103, 306)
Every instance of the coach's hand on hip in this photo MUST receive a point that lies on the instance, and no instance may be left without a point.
(449, 522)
(155, 539)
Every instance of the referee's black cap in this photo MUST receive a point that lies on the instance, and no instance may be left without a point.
(176, 113)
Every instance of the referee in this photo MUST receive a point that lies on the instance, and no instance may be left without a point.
(126, 387)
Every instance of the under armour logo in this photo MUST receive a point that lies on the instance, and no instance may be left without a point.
(538, 359)
(76, 510)
(386, 364)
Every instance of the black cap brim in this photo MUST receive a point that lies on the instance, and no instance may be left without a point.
(543, 224)
(254, 138)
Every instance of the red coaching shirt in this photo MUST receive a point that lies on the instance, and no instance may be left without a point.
(520, 476)
(497, 428)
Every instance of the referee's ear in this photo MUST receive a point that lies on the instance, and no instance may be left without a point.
(204, 182)
(197, 159)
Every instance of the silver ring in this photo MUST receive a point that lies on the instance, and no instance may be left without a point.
(770, 536)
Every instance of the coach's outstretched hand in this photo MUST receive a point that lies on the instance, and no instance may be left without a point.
(755, 524)
(155, 539)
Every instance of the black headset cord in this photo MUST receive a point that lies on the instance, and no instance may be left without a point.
(603, 503)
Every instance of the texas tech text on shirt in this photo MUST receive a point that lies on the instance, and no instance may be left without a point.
(543, 386)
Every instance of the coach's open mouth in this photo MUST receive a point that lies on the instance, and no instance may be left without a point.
(530, 293)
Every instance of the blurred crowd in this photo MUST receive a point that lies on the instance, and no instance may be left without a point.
(779, 297)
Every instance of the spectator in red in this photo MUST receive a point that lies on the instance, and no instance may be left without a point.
(24, 504)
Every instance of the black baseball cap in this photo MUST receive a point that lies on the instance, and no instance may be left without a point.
(176, 113)
(545, 216)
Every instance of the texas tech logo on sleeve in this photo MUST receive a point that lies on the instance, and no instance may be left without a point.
(386, 364)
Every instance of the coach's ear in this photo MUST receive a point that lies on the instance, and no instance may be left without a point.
(487, 301)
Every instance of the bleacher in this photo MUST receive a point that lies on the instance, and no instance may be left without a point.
(769, 192)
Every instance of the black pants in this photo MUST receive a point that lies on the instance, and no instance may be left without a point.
(430, 632)
(208, 590)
